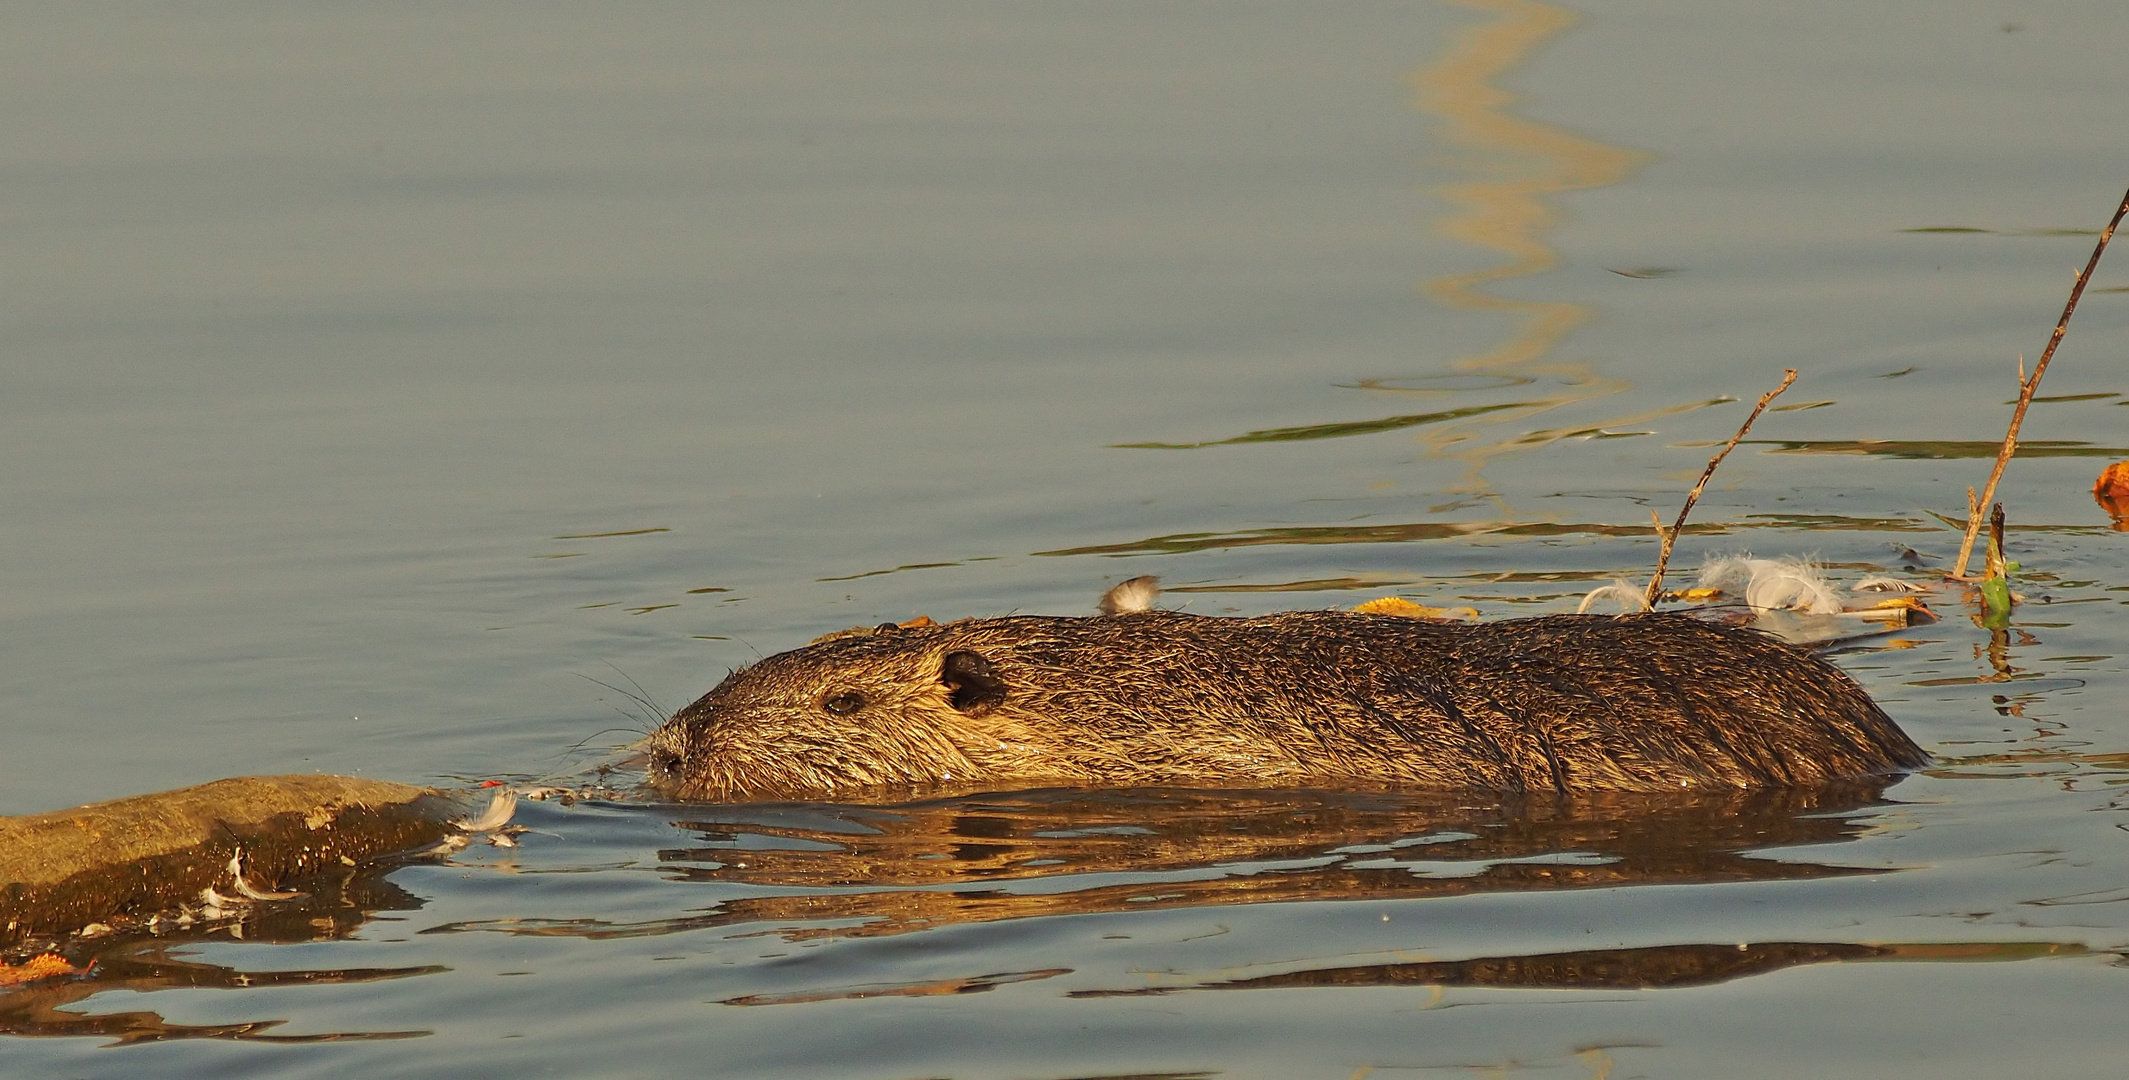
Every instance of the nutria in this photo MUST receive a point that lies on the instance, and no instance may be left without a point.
(1641, 702)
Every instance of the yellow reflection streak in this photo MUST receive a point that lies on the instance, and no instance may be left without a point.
(1518, 165)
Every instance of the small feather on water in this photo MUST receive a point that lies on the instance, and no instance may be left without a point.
(247, 889)
(495, 817)
(214, 905)
(449, 845)
(1627, 596)
(1885, 584)
(1125, 597)
(1784, 584)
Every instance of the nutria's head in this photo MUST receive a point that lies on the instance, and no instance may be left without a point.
(860, 710)
(914, 703)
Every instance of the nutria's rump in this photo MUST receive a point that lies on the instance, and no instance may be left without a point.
(1564, 702)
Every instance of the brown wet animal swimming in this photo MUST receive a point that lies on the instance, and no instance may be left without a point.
(1642, 702)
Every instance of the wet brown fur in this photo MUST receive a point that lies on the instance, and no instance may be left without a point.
(1565, 702)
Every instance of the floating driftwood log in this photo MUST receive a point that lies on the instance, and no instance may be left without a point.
(214, 845)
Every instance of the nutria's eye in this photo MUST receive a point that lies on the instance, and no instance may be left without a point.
(844, 704)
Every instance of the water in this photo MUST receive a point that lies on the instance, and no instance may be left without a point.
(380, 382)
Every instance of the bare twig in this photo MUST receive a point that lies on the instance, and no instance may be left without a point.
(2026, 386)
(1663, 557)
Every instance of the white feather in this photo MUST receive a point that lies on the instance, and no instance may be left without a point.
(1629, 597)
(247, 889)
(1136, 594)
(1784, 584)
(1885, 584)
(495, 817)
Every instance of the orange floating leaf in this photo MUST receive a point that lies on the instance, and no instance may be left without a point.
(36, 967)
(2111, 491)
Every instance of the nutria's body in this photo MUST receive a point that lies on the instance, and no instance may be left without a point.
(1565, 702)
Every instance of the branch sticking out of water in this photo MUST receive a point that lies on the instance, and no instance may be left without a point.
(1996, 588)
(2026, 386)
(1670, 536)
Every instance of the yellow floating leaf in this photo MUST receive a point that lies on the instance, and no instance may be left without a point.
(1912, 603)
(1398, 605)
(921, 622)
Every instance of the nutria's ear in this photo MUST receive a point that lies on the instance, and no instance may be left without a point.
(976, 687)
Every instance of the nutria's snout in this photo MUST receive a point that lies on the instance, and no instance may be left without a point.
(665, 755)
(1564, 703)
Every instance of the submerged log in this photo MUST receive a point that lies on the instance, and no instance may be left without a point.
(132, 858)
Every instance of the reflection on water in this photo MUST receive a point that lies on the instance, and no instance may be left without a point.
(817, 873)
(1337, 431)
(1517, 167)
(2073, 770)
(1449, 530)
(2003, 232)
(972, 984)
(1651, 968)
(333, 910)
(846, 871)
(700, 304)
(1940, 448)
(812, 874)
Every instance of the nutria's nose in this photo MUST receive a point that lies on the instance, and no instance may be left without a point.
(663, 763)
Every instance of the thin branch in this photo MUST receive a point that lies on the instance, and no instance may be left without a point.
(1663, 557)
(2026, 387)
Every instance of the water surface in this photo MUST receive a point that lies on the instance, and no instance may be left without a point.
(382, 382)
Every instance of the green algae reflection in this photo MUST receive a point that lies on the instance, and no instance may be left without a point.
(1178, 543)
(1334, 431)
(1938, 448)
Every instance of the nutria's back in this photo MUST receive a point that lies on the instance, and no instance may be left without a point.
(1563, 702)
